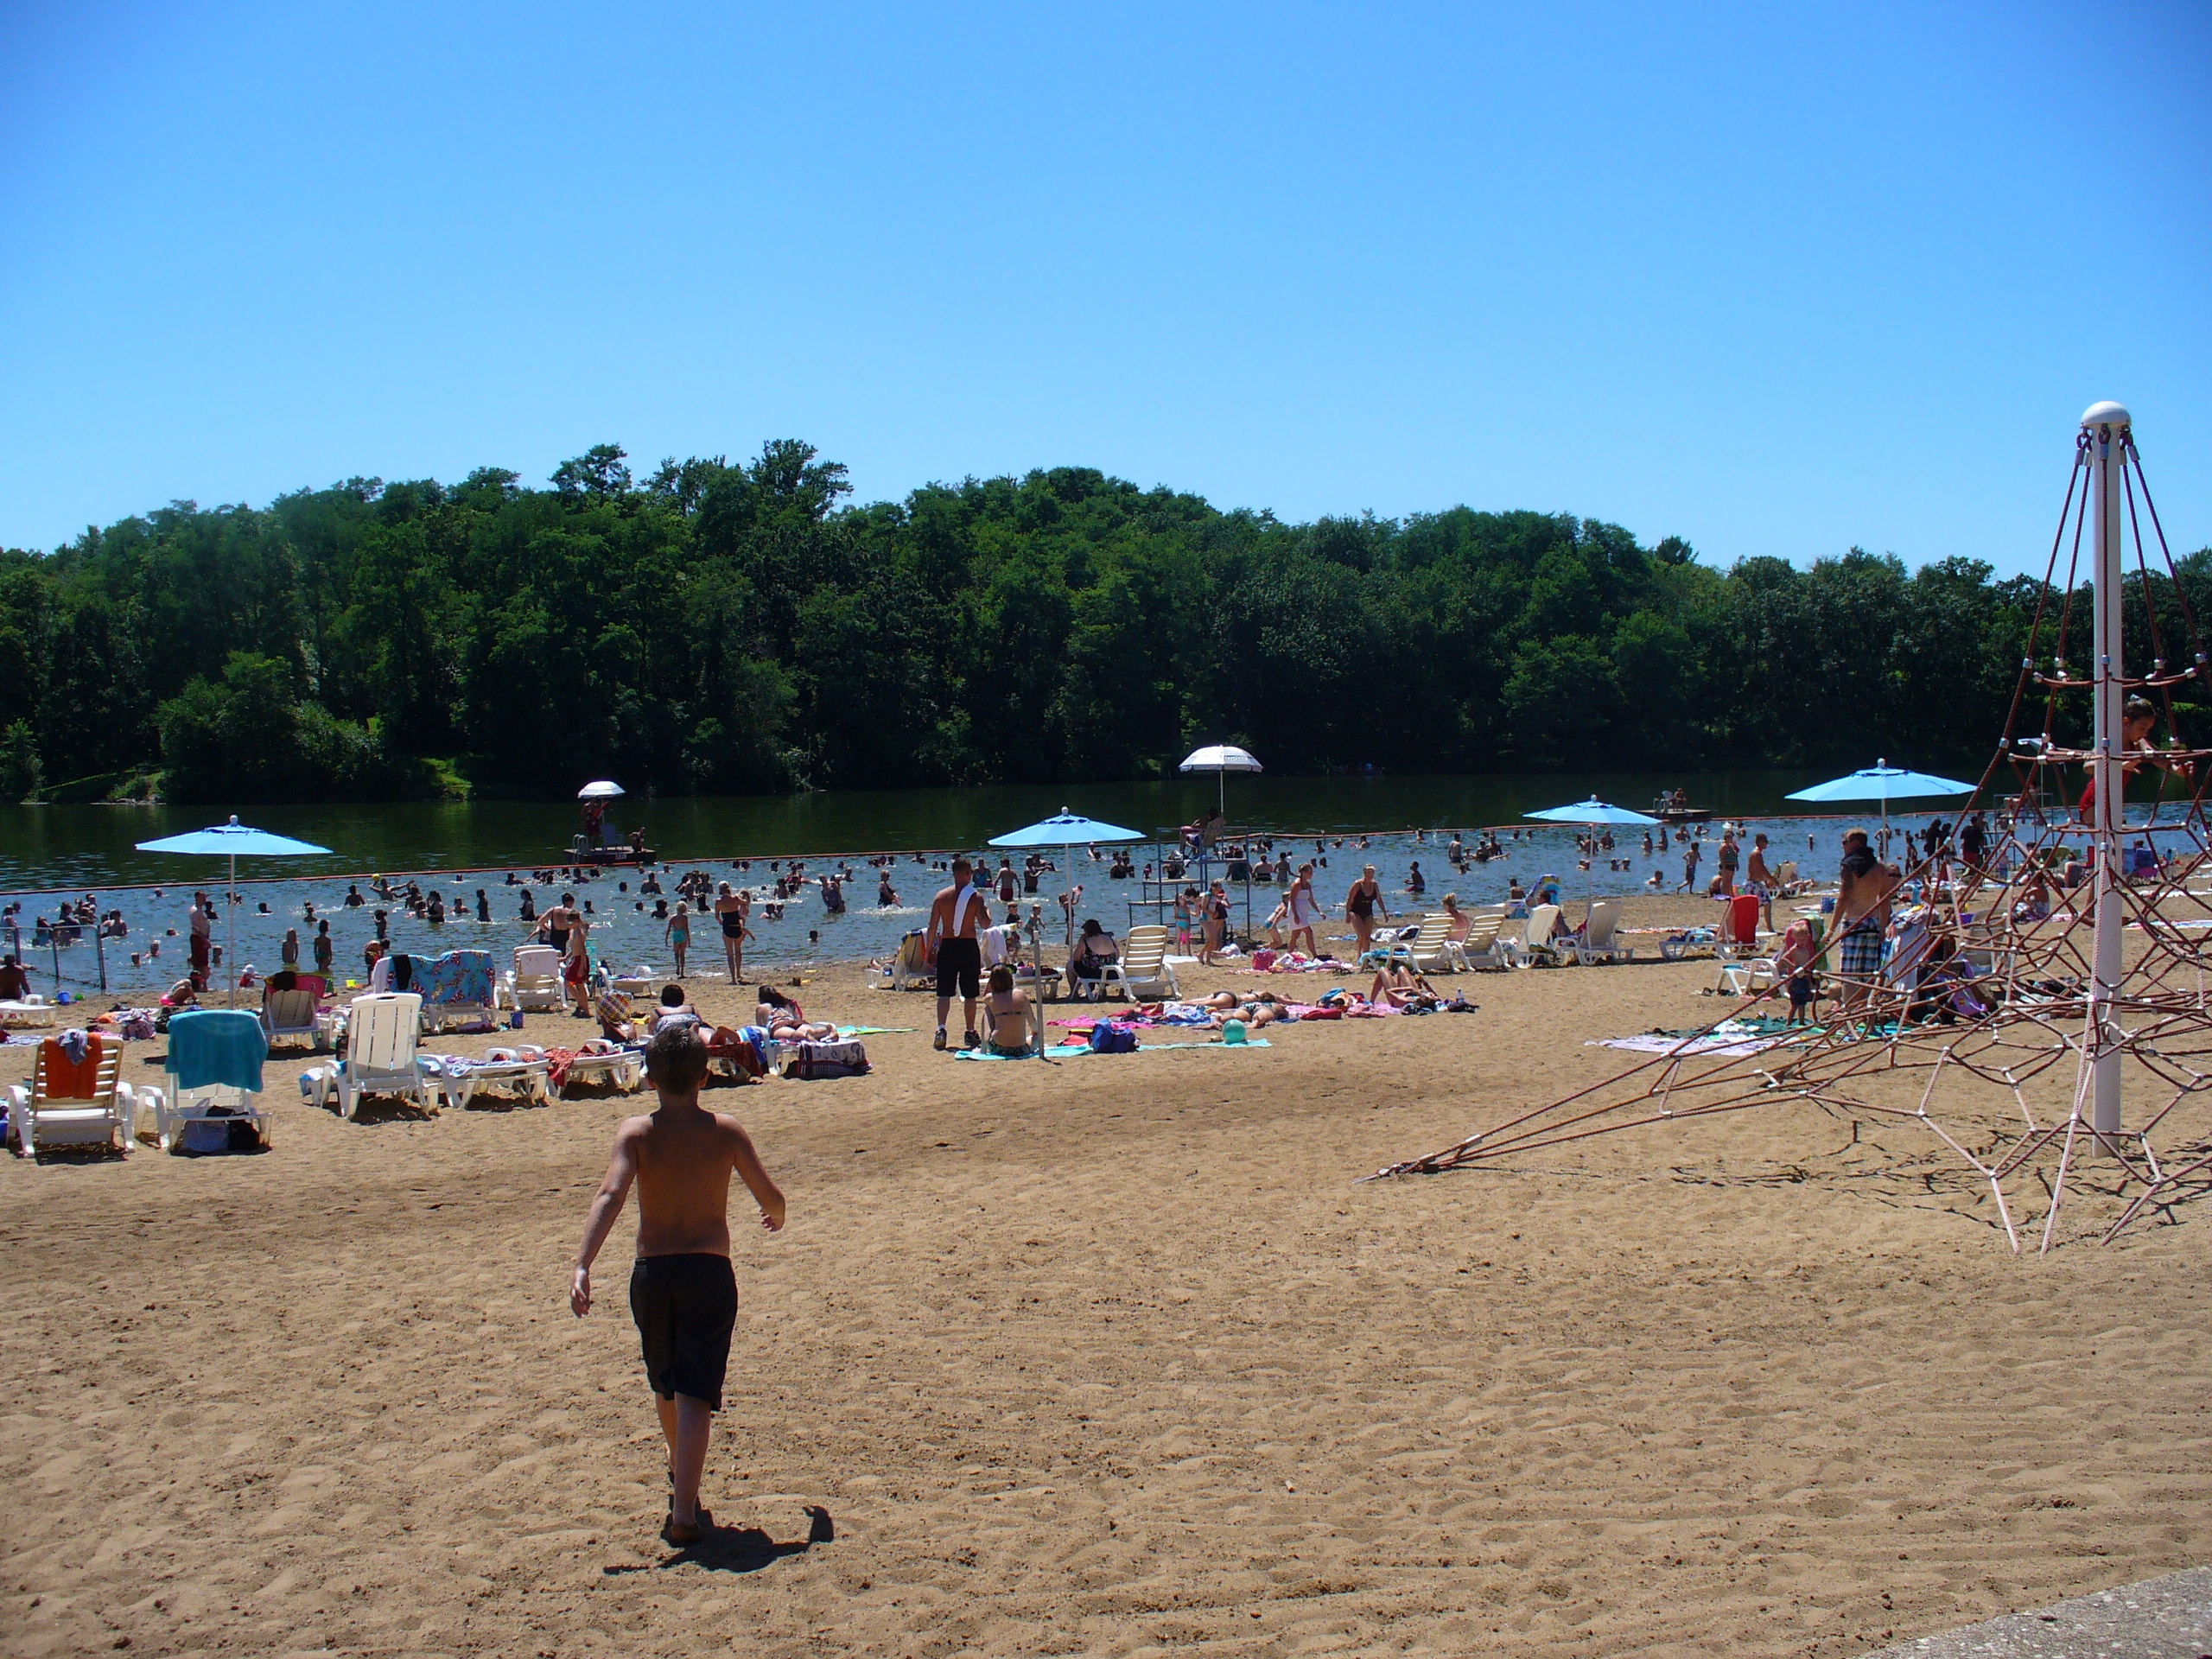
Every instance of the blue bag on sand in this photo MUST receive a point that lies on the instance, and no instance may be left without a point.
(1106, 1037)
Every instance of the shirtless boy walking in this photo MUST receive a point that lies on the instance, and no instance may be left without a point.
(682, 1293)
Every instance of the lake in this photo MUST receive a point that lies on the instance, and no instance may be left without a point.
(46, 851)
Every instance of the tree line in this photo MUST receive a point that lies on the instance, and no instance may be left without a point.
(722, 627)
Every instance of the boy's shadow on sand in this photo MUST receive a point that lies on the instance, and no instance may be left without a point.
(747, 1549)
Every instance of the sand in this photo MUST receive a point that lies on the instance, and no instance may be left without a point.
(1108, 1355)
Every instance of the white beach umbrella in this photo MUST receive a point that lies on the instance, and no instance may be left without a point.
(604, 790)
(1221, 759)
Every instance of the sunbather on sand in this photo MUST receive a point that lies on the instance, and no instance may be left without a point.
(1260, 1010)
(786, 1021)
(1400, 987)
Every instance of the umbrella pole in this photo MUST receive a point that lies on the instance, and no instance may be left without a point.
(231, 903)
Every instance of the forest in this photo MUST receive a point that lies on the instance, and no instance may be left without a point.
(720, 628)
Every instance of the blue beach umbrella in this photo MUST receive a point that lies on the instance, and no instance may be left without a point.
(1884, 783)
(233, 841)
(1065, 830)
(1592, 813)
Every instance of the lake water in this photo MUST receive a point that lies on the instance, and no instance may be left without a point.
(45, 852)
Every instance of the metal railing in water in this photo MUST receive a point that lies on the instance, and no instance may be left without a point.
(74, 953)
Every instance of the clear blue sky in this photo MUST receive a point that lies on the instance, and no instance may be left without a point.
(1776, 279)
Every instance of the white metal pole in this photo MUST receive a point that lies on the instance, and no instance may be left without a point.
(2107, 425)
(231, 904)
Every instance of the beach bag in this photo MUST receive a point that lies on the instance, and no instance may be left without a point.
(1106, 1037)
(844, 1057)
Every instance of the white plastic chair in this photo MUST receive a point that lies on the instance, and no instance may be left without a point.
(1143, 971)
(33, 1010)
(1429, 951)
(381, 1037)
(1535, 947)
(37, 1117)
(1597, 943)
(291, 1014)
(1485, 946)
(908, 967)
(535, 981)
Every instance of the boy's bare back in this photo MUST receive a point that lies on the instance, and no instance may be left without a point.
(684, 1159)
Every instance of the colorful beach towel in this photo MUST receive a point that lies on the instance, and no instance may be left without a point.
(462, 977)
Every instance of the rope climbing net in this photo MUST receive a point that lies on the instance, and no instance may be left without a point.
(1973, 1046)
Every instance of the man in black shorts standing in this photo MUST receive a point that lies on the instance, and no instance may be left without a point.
(954, 917)
(682, 1293)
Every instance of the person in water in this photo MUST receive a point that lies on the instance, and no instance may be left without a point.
(683, 1290)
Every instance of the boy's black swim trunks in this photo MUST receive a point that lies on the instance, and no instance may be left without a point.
(686, 1307)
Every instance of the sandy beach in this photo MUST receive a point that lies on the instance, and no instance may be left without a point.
(1108, 1354)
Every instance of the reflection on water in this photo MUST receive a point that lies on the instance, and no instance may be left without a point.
(46, 851)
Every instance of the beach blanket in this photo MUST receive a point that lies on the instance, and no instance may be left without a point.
(1729, 1036)
(1297, 961)
(1072, 1049)
(460, 977)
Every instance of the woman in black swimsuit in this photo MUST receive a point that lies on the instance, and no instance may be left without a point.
(1360, 905)
(729, 911)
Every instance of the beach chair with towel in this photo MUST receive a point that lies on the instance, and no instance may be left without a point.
(1143, 971)
(907, 968)
(535, 983)
(459, 991)
(381, 1032)
(214, 1066)
(76, 1097)
(1736, 949)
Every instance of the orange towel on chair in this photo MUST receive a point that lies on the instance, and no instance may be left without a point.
(68, 1079)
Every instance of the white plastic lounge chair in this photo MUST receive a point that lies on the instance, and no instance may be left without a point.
(907, 968)
(381, 1035)
(1536, 948)
(1143, 972)
(439, 1015)
(520, 1071)
(1484, 947)
(202, 1043)
(33, 1010)
(290, 1015)
(535, 981)
(1429, 950)
(39, 1117)
(623, 1067)
(1600, 936)
(1744, 975)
